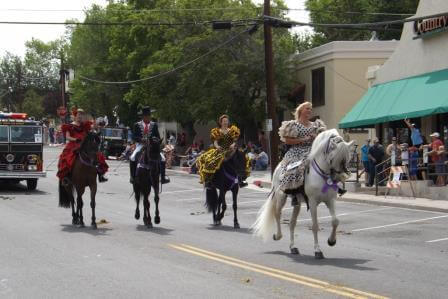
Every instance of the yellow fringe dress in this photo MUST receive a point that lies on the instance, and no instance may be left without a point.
(210, 161)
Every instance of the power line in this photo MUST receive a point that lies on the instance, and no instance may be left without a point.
(190, 23)
(282, 22)
(213, 9)
(174, 69)
(345, 78)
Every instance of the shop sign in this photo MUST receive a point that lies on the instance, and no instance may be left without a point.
(426, 27)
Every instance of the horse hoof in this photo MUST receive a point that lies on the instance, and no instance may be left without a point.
(82, 225)
(331, 243)
(74, 221)
(94, 226)
(137, 215)
(294, 250)
(149, 225)
(236, 225)
(157, 220)
(276, 238)
(318, 255)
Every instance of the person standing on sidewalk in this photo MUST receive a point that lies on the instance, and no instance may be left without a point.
(393, 150)
(376, 156)
(365, 161)
(437, 155)
(416, 136)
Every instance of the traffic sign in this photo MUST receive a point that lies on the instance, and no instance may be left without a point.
(62, 111)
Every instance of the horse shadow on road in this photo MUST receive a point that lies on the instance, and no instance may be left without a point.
(19, 189)
(347, 263)
(100, 231)
(156, 230)
(228, 228)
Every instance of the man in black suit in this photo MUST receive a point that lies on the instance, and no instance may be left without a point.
(141, 130)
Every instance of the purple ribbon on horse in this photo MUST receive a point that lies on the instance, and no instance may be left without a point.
(329, 183)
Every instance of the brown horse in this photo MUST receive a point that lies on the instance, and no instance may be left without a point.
(84, 174)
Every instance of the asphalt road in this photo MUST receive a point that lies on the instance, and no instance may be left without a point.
(381, 251)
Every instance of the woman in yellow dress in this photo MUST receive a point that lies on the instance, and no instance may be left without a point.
(224, 145)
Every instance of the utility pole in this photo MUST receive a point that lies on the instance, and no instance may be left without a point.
(270, 92)
(66, 118)
(62, 81)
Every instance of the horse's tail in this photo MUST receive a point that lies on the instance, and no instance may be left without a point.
(264, 225)
(65, 195)
(211, 199)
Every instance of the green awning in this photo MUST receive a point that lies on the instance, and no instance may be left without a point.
(406, 98)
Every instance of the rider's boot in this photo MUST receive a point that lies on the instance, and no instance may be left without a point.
(164, 179)
(101, 178)
(294, 201)
(132, 168)
(242, 182)
(341, 191)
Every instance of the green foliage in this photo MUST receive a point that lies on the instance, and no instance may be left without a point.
(231, 80)
(355, 12)
(32, 104)
(37, 73)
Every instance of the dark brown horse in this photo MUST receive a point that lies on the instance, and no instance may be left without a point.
(226, 179)
(84, 174)
(147, 176)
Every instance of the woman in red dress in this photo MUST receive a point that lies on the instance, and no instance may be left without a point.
(74, 134)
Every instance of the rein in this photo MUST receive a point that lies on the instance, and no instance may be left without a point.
(328, 181)
(233, 179)
(81, 159)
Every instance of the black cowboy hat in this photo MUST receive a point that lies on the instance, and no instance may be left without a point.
(145, 111)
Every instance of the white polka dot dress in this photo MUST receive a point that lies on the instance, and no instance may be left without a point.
(292, 172)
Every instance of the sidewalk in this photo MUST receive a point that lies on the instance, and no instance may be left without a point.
(262, 179)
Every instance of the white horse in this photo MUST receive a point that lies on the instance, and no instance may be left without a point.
(327, 165)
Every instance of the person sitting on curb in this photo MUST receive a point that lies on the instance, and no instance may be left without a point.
(261, 160)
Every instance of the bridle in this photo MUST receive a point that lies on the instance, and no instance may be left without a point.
(88, 161)
(328, 178)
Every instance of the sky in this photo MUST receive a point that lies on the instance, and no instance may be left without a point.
(13, 37)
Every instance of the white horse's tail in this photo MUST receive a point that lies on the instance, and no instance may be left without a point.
(265, 224)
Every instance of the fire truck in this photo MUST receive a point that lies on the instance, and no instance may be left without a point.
(21, 149)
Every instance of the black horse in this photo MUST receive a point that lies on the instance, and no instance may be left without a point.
(83, 174)
(227, 178)
(147, 176)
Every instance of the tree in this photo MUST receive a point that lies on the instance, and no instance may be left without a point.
(355, 12)
(12, 83)
(38, 71)
(231, 80)
(32, 104)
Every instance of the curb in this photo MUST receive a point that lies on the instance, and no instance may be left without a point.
(259, 184)
(393, 204)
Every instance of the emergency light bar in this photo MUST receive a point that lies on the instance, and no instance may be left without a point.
(11, 115)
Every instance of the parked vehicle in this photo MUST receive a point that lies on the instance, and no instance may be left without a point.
(21, 149)
(113, 141)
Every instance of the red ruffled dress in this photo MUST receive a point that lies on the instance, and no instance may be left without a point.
(68, 155)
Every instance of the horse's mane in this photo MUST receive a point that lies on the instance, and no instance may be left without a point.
(321, 142)
(89, 138)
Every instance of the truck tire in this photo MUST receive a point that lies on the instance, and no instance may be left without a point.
(31, 184)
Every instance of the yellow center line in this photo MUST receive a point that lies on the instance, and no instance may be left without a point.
(307, 281)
